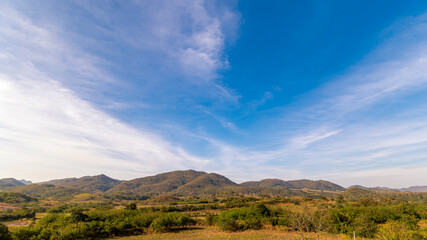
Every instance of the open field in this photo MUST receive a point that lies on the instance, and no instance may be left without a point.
(212, 233)
(51, 212)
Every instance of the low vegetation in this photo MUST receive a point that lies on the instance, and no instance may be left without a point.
(102, 223)
(57, 212)
(367, 219)
(17, 214)
(13, 197)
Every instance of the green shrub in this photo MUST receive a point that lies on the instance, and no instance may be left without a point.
(227, 222)
(395, 230)
(131, 206)
(97, 224)
(4, 232)
(169, 220)
(17, 214)
(210, 219)
(244, 218)
(364, 226)
(26, 233)
(77, 215)
(252, 223)
(13, 197)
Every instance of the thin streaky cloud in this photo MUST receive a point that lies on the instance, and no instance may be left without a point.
(136, 88)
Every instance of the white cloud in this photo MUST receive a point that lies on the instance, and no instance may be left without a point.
(304, 141)
(49, 131)
(358, 128)
(395, 177)
(46, 128)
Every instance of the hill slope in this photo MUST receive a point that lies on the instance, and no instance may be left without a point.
(268, 183)
(10, 182)
(59, 182)
(90, 184)
(207, 183)
(44, 190)
(354, 193)
(415, 189)
(295, 184)
(318, 185)
(176, 181)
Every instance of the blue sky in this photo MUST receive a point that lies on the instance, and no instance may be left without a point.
(333, 90)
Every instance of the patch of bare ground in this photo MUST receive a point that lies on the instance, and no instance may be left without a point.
(21, 223)
(7, 206)
(213, 233)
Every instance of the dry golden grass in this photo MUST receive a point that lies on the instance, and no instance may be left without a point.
(212, 233)
(40, 215)
(5, 206)
(18, 223)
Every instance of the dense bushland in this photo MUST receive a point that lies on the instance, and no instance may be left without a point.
(4, 233)
(97, 224)
(367, 217)
(365, 221)
(17, 214)
(244, 218)
(13, 197)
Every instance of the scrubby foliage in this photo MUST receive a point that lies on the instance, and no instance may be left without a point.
(365, 221)
(97, 224)
(251, 217)
(395, 230)
(13, 197)
(17, 214)
(386, 216)
(4, 233)
(45, 190)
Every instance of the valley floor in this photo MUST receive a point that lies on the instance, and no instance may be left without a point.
(212, 233)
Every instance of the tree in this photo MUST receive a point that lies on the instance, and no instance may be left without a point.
(364, 226)
(394, 230)
(131, 206)
(77, 215)
(4, 232)
(339, 198)
(303, 222)
(319, 221)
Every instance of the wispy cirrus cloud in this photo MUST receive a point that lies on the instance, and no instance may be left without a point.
(49, 130)
(52, 81)
(60, 85)
(183, 43)
(360, 122)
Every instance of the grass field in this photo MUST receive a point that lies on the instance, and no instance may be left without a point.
(212, 233)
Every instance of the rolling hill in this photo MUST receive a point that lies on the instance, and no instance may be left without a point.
(415, 189)
(10, 182)
(161, 183)
(207, 183)
(354, 193)
(268, 183)
(59, 182)
(90, 184)
(183, 182)
(44, 190)
(195, 182)
(14, 197)
(295, 184)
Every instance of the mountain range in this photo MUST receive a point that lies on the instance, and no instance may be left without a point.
(175, 182)
(295, 184)
(91, 184)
